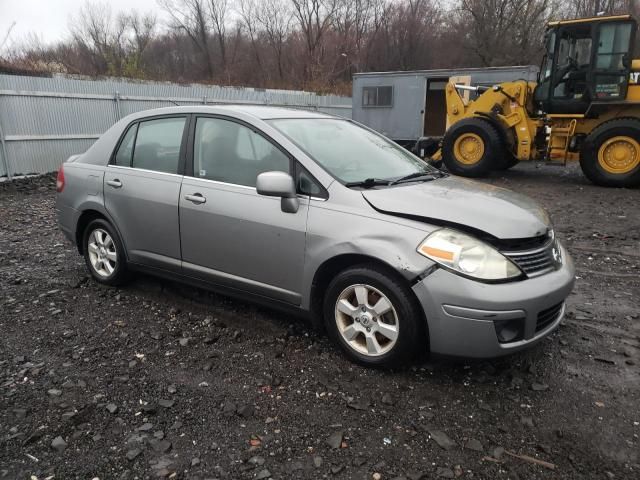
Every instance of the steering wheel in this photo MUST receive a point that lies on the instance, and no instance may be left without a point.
(572, 64)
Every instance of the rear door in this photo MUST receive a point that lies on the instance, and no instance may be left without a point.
(232, 236)
(142, 186)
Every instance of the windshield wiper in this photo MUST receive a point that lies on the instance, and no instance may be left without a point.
(368, 183)
(416, 175)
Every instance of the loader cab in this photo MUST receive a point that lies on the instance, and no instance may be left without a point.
(586, 60)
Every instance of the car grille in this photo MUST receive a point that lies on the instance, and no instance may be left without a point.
(534, 262)
(548, 316)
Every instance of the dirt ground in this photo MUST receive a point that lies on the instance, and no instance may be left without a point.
(161, 380)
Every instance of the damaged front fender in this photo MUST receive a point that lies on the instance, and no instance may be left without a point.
(389, 240)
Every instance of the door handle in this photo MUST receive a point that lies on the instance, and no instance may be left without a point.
(195, 198)
(115, 183)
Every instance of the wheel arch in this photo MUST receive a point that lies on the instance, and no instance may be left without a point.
(334, 265)
(507, 134)
(86, 217)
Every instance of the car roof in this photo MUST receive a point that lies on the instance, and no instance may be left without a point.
(262, 112)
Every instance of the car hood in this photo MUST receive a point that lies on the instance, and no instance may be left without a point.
(464, 204)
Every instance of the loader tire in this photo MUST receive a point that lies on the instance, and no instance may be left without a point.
(610, 155)
(472, 148)
(510, 161)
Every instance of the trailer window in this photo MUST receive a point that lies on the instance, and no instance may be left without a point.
(377, 96)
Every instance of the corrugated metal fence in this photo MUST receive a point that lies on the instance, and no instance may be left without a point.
(45, 120)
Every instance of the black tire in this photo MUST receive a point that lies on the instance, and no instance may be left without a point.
(589, 162)
(493, 157)
(120, 273)
(425, 147)
(411, 338)
(511, 161)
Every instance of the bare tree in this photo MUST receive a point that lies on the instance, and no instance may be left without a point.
(354, 22)
(102, 36)
(143, 27)
(218, 11)
(314, 18)
(590, 8)
(274, 17)
(190, 16)
(503, 32)
(7, 35)
(249, 18)
(311, 44)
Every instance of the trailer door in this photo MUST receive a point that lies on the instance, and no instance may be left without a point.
(435, 109)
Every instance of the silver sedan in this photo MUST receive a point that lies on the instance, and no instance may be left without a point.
(320, 216)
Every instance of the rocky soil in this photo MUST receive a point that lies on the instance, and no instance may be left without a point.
(158, 380)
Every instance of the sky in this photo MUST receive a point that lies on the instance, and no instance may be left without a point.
(49, 19)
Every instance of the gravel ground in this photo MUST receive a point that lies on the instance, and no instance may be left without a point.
(160, 380)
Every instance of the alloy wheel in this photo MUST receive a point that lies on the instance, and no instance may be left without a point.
(102, 252)
(367, 320)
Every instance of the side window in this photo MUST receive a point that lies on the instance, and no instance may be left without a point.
(614, 42)
(229, 152)
(123, 155)
(612, 60)
(158, 145)
(377, 96)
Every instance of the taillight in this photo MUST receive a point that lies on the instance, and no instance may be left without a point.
(60, 180)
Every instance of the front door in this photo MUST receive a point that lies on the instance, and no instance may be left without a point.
(612, 61)
(232, 236)
(141, 190)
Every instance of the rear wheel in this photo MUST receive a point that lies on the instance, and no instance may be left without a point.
(104, 254)
(374, 317)
(472, 148)
(610, 154)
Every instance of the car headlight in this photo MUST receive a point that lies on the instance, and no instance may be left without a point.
(467, 255)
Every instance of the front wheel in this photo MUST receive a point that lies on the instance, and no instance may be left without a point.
(473, 147)
(510, 162)
(374, 317)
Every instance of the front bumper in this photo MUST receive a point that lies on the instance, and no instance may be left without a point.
(461, 312)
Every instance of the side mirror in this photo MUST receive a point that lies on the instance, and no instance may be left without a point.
(279, 184)
(626, 63)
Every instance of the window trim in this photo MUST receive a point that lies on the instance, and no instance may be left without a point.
(377, 87)
(113, 159)
(137, 121)
(145, 170)
(190, 153)
(299, 168)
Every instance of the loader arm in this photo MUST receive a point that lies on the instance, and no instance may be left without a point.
(505, 105)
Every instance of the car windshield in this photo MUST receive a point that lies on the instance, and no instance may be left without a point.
(349, 152)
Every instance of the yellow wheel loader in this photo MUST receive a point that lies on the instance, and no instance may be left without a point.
(585, 106)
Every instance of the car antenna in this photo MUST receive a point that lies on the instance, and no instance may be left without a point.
(176, 104)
